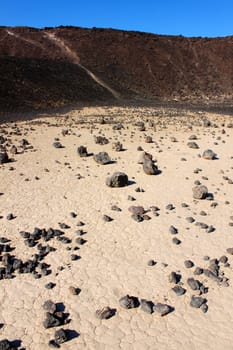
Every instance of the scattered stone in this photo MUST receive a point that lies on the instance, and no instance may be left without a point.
(144, 157)
(102, 158)
(117, 146)
(147, 306)
(137, 217)
(193, 284)
(74, 291)
(193, 145)
(118, 179)
(198, 271)
(173, 230)
(150, 168)
(57, 144)
(10, 217)
(105, 313)
(107, 218)
(60, 336)
(188, 264)
(82, 151)
(200, 192)
(115, 208)
(151, 263)
(5, 344)
(4, 158)
(148, 139)
(173, 277)
(176, 240)
(52, 321)
(223, 259)
(50, 306)
(190, 219)
(197, 302)
(136, 210)
(53, 344)
(209, 154)
(129, 302)
(179, 290)
(162, 309)
(230, 251)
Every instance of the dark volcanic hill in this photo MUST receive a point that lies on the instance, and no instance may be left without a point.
(67, 65)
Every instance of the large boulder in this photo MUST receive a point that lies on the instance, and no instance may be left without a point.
(118, 179)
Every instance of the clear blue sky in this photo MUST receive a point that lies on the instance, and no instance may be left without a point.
(186, 17)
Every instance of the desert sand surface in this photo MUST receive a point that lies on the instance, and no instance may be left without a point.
(105, 251)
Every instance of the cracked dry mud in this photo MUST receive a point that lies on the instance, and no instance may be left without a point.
(96, 262)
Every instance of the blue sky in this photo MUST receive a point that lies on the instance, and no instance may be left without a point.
(177, 17)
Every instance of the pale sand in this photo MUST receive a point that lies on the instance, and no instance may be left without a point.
(114, 260)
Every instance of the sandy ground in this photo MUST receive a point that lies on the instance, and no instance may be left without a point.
(42, 185)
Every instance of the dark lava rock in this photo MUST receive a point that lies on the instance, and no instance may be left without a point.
(4, 158)
(50, 306)
(102, 158)
(173, 230)
(118, 179)
(80, 240)
(117, 146)
(190, 219)
(223, 259)
(188, 264)
(210, 274)
(200, 192)
(198, 271)
(53, 344)
(197, 302)
(10, 216)
(193, 145)
(137, 217)
(136, 210)
(105, 313)
(151, 263)
(115, 208)
(193, 284)
(162, 309)
(179, 290)
(147, 306)
(57, 144)
(82, 151)
(208, 154)
(173, 277)
(129, 302)
(230, 251)
(204, 308)
(50, 285)
(150, 168)
(60, 336)
(176, 241)
(107, 218)
(52, 320)
(5, 344)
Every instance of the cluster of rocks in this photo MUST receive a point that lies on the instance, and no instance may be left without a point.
(131, 302)
(55, 318)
